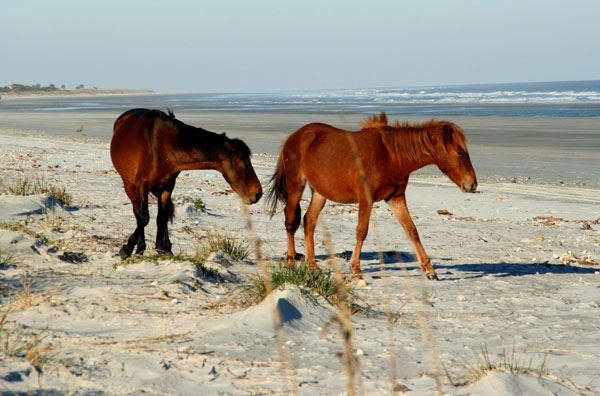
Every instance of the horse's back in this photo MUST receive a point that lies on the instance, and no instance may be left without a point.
(133, 140)
(128, 121)
(300, 141)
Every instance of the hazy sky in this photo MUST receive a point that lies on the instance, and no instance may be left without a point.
(256, 45)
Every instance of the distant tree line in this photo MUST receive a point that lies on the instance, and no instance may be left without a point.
(35, 88)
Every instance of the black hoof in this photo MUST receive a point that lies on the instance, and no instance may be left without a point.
(163, 252)
(432, 277)
(124, 252)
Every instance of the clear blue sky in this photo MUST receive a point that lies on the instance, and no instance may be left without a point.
(256, 45)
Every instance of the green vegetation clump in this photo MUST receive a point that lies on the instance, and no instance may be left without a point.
(24, 229)
(317, 282)
(37, 185)
(230, 246)
(200, 205)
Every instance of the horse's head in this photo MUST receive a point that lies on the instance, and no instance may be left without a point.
(238, 171)
(452, 156)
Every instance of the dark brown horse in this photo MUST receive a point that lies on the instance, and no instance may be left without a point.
(366, 166)
(149, 148)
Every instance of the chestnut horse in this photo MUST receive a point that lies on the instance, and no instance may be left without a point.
(370, 165)
(149, 148)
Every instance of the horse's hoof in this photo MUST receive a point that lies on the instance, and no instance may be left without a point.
(314, 267)
(125, 252)
(432, 276)
(162, 252)
(292, 260)
(361, 282)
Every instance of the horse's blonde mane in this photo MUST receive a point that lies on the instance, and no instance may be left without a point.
(375, 121)
(418, 142)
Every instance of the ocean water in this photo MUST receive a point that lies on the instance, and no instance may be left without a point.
(551, 99)
(545, 99)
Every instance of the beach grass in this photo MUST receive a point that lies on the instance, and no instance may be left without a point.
(236, 250)
(9, 258)
(24, 228)
(316, 282)
(37, 185)
(29, 347)
(507, 362)
(199, 205)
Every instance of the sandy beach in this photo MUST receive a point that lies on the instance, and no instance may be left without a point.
(516, 310)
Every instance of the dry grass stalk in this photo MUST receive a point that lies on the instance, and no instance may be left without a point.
(277, 325)
(5, 314)
(343, 318)
(388, 306)
(25, 347)
(29, 299)
(426, 333)
(146, 339)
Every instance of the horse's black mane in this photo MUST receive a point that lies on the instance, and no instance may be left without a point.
(208, 143)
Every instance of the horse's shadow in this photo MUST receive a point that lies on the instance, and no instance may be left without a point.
(399, 261)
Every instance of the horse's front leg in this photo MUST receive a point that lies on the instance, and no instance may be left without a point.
(398, 204)
(364, 215)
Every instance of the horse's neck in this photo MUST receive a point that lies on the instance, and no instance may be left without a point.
(194, 158)
(410, 165)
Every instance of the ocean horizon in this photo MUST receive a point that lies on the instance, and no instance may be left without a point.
(533, 99)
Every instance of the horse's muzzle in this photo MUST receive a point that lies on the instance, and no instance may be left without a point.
(254, 198)
(469, 187)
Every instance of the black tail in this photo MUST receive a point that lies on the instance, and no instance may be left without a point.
(169, 210)
(277, 188)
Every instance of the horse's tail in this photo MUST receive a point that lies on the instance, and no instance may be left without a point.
(277, 187)
(170, 210)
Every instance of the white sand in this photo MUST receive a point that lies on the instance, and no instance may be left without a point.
(509, 284)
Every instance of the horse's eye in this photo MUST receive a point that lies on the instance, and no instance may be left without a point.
(460, 153)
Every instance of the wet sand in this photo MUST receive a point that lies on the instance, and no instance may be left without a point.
(540, 150)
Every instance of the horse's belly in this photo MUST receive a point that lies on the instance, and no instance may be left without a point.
(333, 187)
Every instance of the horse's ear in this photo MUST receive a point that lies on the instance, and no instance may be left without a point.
(448, 134)
(383, 118)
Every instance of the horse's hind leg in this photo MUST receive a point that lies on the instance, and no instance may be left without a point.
(293, 215)
(139, 200)
(165, 213)
(400, 209)
(310, 221)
